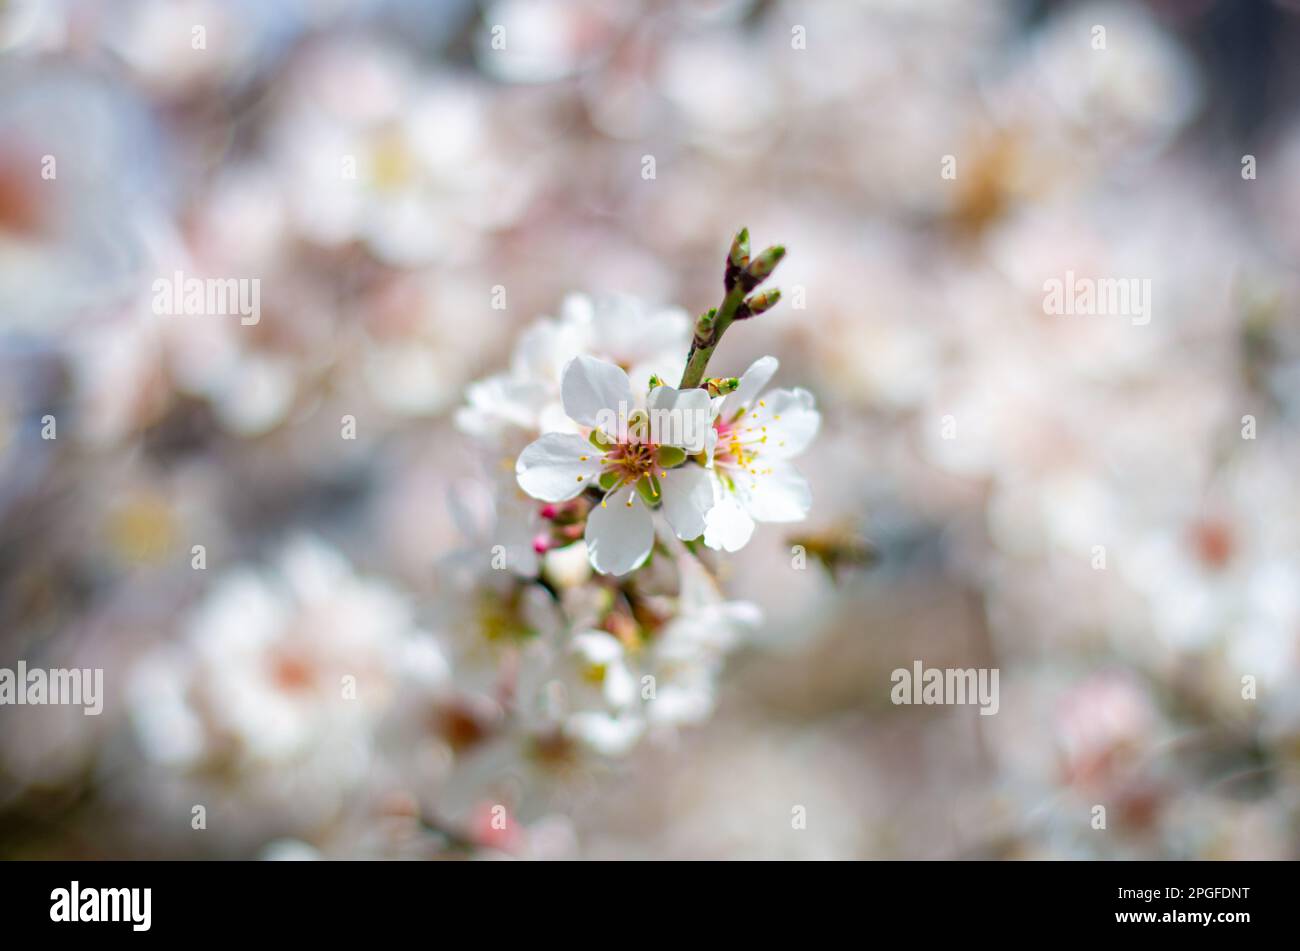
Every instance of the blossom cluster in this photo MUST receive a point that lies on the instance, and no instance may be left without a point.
(342, 594)
(706, 488)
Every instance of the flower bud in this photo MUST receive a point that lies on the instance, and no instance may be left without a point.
(763, 300)
(704, 327)
(739, 254)
(765, 263)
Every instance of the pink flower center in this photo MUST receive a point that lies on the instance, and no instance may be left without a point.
(738, 442)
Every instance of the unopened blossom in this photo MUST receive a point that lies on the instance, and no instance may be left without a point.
(629, 463)
(755, 437)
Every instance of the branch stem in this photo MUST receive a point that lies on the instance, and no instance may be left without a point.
(702, 350)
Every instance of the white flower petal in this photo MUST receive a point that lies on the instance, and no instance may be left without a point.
(544, 350)
(577, 310)
(607, 735)
(727, 526)
(313, 569)
(627, 329)
(620, 686)
(687, 498)
(688, 698)
(557, 467)
(751, 384)
(552, 418)
(499, 402)
(777, 494)
(600, 649)
(792, 421)
(591, 387)
(597, 647)
(619, 536)
(680, 417)
(698, 588)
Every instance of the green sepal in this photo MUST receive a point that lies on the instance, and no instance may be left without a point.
(670, 456)
(648, 488)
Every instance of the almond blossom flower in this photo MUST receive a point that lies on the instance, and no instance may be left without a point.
(275, 699)
(749, 454)
(601, 694)
(688, 652)
(277, 645)
(629, 460)
(374, 149)
(642, 339)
